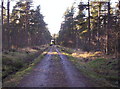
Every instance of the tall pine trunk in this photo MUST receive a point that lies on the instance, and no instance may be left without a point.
(108, 30)
(8, 24)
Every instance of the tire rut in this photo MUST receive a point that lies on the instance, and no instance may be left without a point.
(54, 70)
(73, 75)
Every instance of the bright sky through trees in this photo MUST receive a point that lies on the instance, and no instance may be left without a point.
(53, 11)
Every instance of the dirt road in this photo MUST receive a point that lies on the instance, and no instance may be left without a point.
(55, 70)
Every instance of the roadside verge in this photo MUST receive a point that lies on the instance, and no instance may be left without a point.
(101, 70)
(13, 79)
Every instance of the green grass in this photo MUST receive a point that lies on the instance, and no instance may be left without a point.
(13, 80)
(106, 69)
(98, 71)
(11, 64)
(103, 72)
(16, 64)
(64, 49)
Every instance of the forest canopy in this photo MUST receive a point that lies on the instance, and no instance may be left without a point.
(24, 26)
(98, 29)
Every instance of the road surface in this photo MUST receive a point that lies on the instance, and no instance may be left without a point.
(55, 70)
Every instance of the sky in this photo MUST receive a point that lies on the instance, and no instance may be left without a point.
(53, 11)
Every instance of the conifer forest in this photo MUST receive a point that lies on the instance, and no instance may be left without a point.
(84, 53)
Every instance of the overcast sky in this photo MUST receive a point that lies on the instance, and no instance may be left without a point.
(53, 11)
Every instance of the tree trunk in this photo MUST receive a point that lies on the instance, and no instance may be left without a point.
(108, 30)
(118, 45)
(8, 27)
(89, 33)
(107, 42)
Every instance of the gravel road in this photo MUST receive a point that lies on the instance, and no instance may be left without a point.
(55, 70)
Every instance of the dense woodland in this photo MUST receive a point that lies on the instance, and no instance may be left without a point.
(89, 38)
(24, 26)
(95, 27)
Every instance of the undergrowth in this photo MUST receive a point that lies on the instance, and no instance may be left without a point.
(17, 64)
